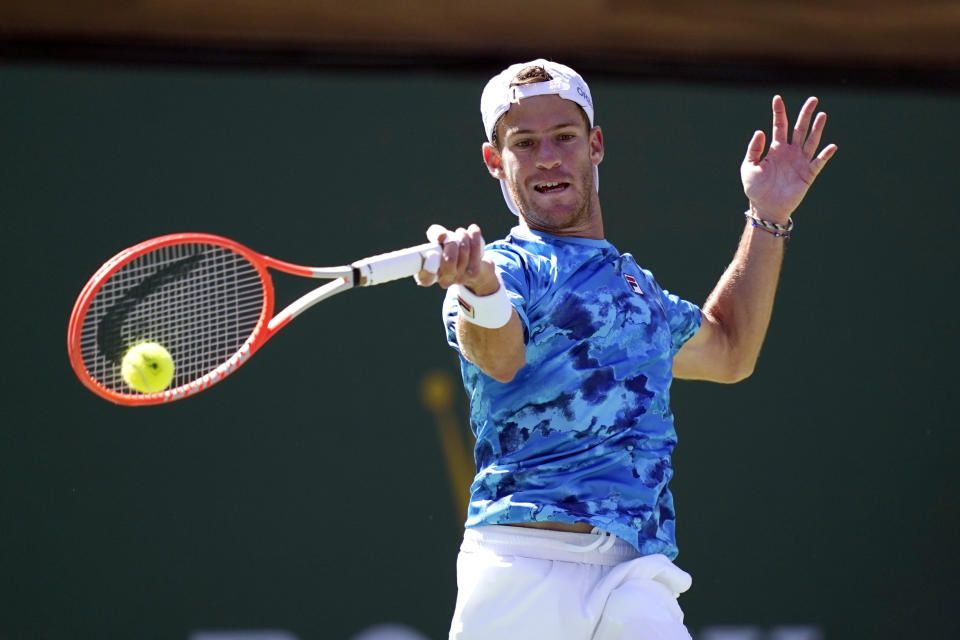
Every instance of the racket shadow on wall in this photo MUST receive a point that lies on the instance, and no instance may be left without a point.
(195, 307)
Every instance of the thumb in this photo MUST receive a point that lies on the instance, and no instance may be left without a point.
(755, 147)
(437, 233)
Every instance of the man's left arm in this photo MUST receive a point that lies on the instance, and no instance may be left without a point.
(737, 313)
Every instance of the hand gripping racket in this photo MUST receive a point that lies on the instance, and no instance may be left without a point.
(208, 300)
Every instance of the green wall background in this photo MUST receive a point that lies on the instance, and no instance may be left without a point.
(822, 491)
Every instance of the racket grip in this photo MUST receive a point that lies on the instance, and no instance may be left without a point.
(396, 264)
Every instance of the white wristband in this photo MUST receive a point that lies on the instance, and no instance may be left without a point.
(492, 311)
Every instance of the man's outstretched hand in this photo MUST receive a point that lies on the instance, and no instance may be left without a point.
(776, 182)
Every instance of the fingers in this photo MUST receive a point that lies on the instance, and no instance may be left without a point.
(460, 258)
(436, 233)
(807, 133)
(780, 122)
(428, 275)
(755, 147)
(821, 160)
(803, 120)
(462, 251)
(476, 250)
(452, 262)
(813, 140)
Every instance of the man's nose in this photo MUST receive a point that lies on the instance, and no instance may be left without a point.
(548, 156)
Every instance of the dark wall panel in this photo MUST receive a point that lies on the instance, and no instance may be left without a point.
(310, 491)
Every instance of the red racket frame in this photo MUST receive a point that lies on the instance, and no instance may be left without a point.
(258, 337)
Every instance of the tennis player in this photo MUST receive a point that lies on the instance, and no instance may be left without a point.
(568, 348)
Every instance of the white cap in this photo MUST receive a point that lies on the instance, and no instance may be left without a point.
(498, 95)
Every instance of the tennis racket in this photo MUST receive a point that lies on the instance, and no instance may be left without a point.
(208, 300)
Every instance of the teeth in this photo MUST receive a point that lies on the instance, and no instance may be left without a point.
(549, 185)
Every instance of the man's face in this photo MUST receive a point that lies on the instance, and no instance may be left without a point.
(547, 158)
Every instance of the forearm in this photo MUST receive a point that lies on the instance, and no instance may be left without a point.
(741, 304)
(489, 330)
(498, 352)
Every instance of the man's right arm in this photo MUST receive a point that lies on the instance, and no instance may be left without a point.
(499, 352)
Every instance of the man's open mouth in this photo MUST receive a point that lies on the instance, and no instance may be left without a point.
(551, 187)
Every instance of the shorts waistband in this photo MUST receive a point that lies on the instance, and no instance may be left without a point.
(545, 544)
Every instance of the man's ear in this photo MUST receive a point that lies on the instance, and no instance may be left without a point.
(491, 158)
(596, 145)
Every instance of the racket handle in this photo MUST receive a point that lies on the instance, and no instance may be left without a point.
(397, 264)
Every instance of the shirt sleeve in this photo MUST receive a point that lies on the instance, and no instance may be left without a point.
(683, 316)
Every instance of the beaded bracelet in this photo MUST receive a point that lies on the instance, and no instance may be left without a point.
(778, 230)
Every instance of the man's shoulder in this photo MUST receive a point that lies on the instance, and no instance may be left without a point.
(522, 251)
(536, 243)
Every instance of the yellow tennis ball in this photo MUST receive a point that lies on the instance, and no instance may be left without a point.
(147, 367)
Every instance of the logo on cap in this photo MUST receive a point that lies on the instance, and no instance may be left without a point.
(584, 95)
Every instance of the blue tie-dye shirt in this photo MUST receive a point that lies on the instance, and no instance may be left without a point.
(584, 431)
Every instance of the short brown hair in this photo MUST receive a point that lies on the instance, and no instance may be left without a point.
(528, 75)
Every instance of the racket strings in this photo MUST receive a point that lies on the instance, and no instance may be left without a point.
(201, 302)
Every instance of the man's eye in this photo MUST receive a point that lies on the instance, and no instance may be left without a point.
(567, 136)
(522, 143)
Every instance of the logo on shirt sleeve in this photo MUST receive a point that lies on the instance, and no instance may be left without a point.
(634, 285)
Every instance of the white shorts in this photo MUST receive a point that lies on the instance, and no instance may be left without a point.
(517, 582)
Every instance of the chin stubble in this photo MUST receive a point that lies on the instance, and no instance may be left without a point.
(580, 212)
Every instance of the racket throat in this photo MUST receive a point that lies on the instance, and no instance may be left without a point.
(307, 300)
